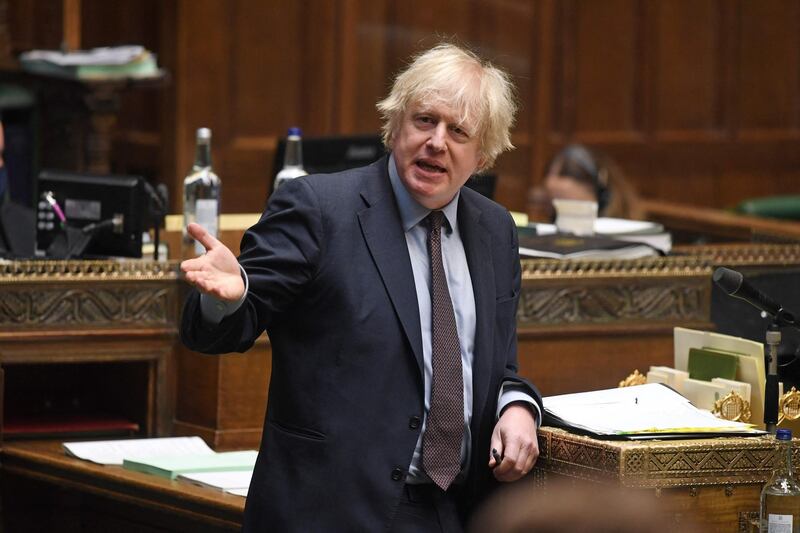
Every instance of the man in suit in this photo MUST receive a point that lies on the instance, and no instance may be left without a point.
(389, 293)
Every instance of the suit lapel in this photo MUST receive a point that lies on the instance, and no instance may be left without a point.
(477, 246)
(386, 241)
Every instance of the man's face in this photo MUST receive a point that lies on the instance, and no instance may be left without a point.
(435, 155)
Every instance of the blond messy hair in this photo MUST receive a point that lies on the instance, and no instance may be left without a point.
(482, 93)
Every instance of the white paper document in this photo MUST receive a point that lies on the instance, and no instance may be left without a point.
(220, 480)
(112, 452)
(237, 492)
(651, 409)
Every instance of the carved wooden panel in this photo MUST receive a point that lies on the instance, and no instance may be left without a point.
(653, 291)
(85, 306)
(632, 302)
(87, 295)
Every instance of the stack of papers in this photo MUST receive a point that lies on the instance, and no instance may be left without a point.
(189, 458)
(106, 63)
(113, 452)
(651, 411)
(171, 466)
(564, 246)
(749, 370)
(232, 482)
(638, 231)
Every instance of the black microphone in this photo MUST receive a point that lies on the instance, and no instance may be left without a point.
(734, 284)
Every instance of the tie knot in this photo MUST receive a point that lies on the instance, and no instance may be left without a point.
(435, 220)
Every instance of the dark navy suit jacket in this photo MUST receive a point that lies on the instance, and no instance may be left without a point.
(331, 282)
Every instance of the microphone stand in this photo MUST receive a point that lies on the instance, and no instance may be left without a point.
(771, 392)
(782, 318)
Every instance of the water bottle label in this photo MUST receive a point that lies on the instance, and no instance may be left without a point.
(780, 523)
(206, 215)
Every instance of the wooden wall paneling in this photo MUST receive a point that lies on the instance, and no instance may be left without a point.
(418, 24)
(166, 106)
(35, 24)
(688, 84)
(138, 135)
(281, 78)
(267, 96)
(541, 109)
(607, 86)
(559, 364)
(769, 48)
(321, 52)
(198, 91)
(505, 33)
(363, 76)
(72, 24)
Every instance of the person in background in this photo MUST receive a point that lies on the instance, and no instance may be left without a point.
(577, 173)
(570, 505)
(389, 293)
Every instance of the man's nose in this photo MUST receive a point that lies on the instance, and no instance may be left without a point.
(436, 141)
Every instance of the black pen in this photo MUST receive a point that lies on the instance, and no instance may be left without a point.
(497, 457)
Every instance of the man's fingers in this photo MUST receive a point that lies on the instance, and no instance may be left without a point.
(518, 460)
(200, 234)
(196, 264)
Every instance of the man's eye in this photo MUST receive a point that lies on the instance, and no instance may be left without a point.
(459, 131)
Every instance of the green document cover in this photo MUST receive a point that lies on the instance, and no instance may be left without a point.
(709, 363)
(172, 466)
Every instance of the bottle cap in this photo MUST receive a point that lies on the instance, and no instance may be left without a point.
(203, 133)
(294, 130)
(783, 434)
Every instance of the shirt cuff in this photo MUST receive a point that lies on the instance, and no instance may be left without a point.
(213, 310)
(512, 392)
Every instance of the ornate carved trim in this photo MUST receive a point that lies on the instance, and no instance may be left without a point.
(654, 464)
(677, 266)
(92, 305)
(71, 271)
(789, 406)
(636, 378)
(745, 254)
(732, 407)
(678, 300)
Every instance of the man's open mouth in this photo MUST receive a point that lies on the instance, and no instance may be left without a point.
(430, 167)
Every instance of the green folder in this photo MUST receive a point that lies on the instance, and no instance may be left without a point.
(709, 363)
(172, 466)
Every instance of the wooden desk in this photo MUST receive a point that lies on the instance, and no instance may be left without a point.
(89, 337)
(713, 482)
(582, 325)
(45, 490)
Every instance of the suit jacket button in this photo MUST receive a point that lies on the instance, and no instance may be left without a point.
(414, 422)
(397, 474)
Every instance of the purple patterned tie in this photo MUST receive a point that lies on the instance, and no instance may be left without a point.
(441, 445)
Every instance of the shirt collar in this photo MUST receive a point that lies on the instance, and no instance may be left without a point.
(411, 212)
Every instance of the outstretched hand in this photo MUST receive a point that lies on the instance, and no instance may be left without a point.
(216, 272)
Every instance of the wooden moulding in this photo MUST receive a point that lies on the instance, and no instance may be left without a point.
(660, 464)
(88, 295)
(647, 294)
(657, 293)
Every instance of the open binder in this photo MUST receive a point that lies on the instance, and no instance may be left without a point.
(651, 411)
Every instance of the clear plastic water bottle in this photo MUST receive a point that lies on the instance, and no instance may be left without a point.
(292, 158)
(780, 497)
(201, 192)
